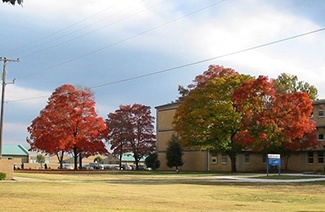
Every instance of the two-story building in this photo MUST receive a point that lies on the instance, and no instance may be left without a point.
(304, 161)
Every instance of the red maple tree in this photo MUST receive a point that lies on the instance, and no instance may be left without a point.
(69, 124)
(273, 121)
(131, 131)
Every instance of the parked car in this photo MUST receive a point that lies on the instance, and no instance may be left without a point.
(126, 167)
(96, 166)
(114, 167)
(86, 167)
(66, 166)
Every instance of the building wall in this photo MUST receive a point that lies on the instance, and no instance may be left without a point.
(305, 161)
(7, 166)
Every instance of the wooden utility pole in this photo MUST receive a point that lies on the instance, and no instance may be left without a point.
(4, 73)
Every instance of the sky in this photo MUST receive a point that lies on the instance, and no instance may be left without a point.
(139, 51)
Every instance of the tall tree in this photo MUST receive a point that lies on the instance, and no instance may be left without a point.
(131, 131)
(69, 123)
(274, 121)
(174, 153)
(207, 118)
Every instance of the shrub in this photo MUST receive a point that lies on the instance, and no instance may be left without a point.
(2, 176)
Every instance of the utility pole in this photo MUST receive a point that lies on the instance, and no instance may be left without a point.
(4, 73)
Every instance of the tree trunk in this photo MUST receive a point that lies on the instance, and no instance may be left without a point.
(80, 162)
(60, 155)
(120, 161)
(75, 156)
(136, 163)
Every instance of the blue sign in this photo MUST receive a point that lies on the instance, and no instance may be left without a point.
(273, 160)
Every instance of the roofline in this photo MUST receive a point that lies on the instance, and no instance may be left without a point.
(175, 104)
(318, 101)
(23, 149)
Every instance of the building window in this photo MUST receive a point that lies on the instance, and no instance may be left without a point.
(310, 157)
(224, 159)
(320, 136)
(320, 110)
(247, 157)
(320, 157)
(214, 157)
(214, 160)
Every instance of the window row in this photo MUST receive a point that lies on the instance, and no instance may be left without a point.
(310, 158)
(320, 157)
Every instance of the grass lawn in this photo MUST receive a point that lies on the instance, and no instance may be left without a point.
(150, 191)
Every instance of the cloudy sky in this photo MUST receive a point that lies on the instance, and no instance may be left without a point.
(139, 51)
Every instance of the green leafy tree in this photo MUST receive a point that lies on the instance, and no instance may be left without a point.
(13, 2)
(152, 161)
(40, 159)
(207, 117)
(174, 153)
(286, 83)
(99, 160)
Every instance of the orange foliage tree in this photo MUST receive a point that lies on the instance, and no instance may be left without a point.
(131, 131)
(69, 124)
(274, 121)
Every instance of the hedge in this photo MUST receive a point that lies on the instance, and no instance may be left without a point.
(2, 176)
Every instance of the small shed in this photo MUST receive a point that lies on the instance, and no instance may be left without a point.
(18, 153)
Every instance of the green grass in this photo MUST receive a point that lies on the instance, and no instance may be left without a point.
(133, 191)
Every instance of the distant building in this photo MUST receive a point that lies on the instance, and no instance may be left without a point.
(194, 160)
(17, 153)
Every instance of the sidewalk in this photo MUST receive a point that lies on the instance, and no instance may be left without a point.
(254, 178)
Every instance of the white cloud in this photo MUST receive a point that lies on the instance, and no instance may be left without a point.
(28, 96)
(14, 133)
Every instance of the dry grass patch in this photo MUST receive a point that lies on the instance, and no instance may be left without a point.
(170, 193)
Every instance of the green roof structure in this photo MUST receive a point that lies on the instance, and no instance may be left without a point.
(14, 150)
(130, 158)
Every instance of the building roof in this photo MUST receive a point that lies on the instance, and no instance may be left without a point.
(172, 105)
(129, 158)
(14, 150)
(319, 101)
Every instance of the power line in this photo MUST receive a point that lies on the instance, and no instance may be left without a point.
(87, 26)
(128, 38)
(62, 30)
(193, 63)
(209, 59)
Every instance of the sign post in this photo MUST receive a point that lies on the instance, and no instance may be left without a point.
(273, 160)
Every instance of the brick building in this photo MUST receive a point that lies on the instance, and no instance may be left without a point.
(304, 161)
